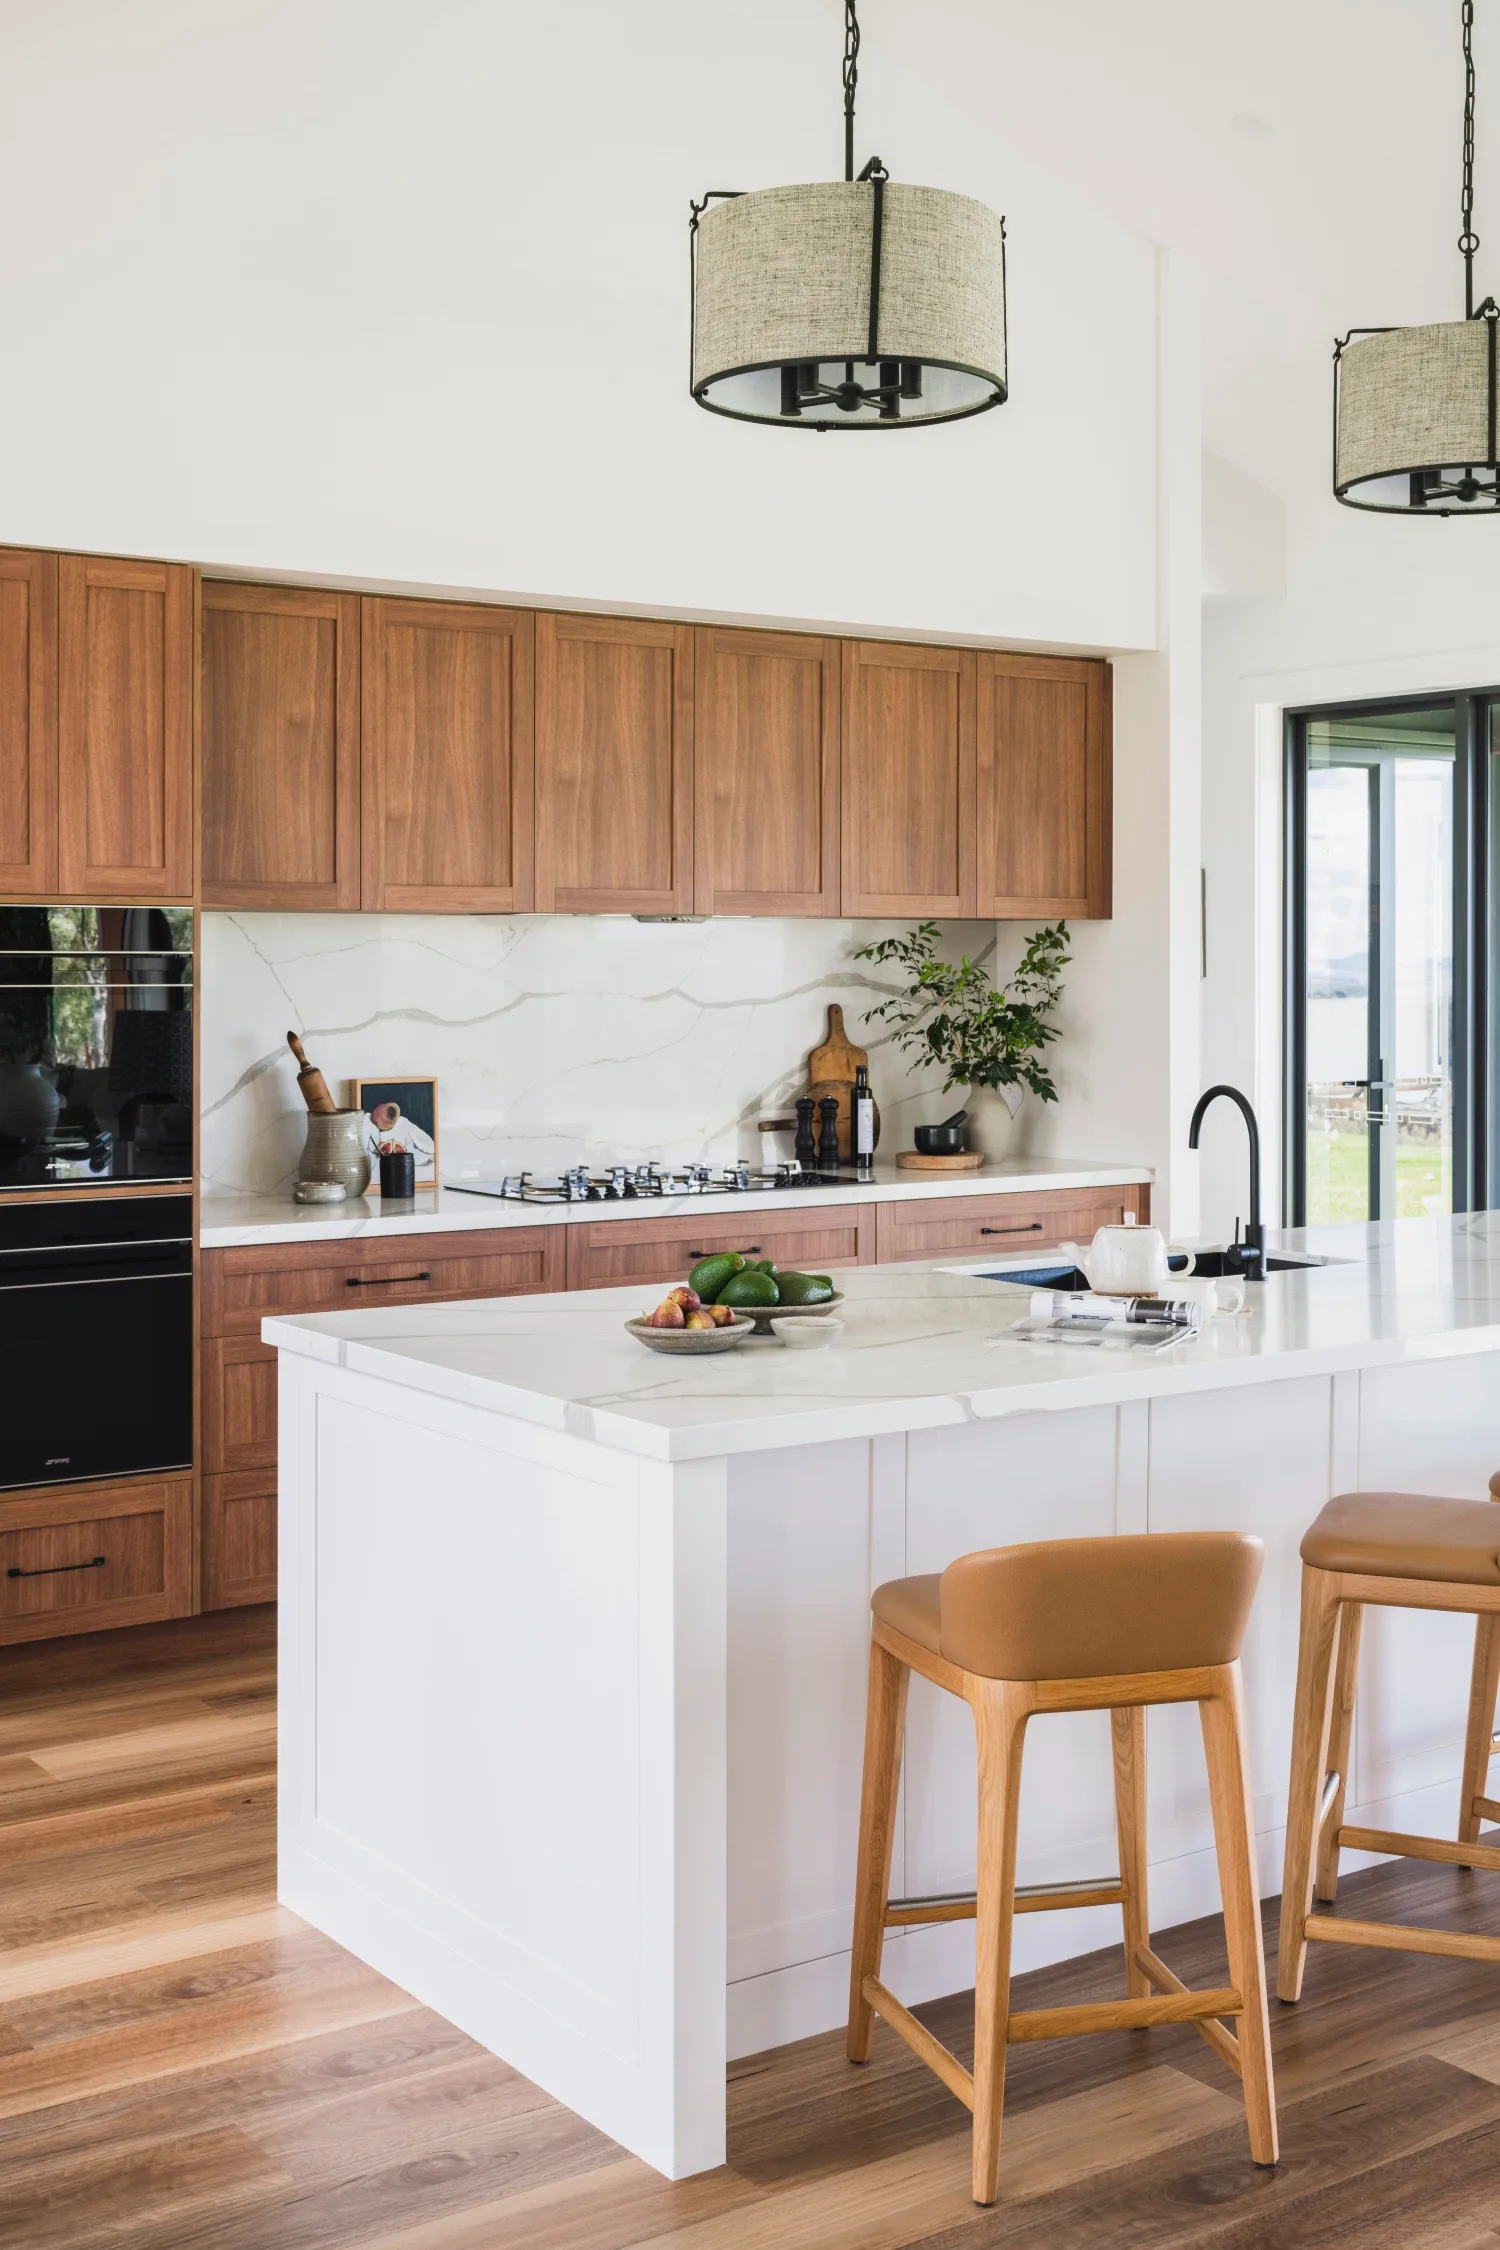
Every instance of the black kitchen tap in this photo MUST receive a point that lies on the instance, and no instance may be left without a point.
(1247, 1256)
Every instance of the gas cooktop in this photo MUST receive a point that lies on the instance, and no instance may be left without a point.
(623, 1183)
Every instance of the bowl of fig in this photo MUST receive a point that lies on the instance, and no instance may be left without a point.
(683, 1323)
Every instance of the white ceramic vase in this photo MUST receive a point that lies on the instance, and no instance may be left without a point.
(991, 1126)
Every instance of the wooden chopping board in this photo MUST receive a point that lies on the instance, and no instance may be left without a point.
(830, 1071)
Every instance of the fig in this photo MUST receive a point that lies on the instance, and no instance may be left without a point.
(722, 1316)
(668, 1314)
(689, 1299)
(700, 1319)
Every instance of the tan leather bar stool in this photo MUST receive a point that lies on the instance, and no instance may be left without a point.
(1067, 1625)
(1398, 1550)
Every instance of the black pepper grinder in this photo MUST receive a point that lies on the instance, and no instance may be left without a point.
(828, 1138)
(806, 1148)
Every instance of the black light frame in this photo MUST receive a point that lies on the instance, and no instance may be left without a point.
(1426, 482)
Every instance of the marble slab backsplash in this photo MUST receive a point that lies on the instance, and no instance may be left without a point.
(555, 1039)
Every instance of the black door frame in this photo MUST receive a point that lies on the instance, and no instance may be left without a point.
(1476, 931)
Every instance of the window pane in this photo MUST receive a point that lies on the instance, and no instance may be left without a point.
(1338, 992)
(1423, 1057)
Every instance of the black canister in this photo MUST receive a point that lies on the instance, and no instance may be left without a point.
(828, 1136)
(806, 1149)
(398, 1173)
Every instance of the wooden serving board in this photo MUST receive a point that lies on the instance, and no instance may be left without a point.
(909, 1161)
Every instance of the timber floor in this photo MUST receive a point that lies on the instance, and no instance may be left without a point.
(182, 2063)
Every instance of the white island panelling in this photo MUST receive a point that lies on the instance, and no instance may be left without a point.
(574, 1639)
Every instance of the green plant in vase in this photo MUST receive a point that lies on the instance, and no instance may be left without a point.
(983, 1039)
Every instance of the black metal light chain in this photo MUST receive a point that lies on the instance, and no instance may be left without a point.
(851, 80)
(1468, 241)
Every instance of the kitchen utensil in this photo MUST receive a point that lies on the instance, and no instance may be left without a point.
(909, 1161)
(828, 1134)
(946, 1139)
(1128, 1260)
(814, 1336)
(690, 1343)
(335, 1149)
(807, 1146)
(763, 1315)
(1225, 1295)
(830, 1071)
(320, 1191)
(311, 1083)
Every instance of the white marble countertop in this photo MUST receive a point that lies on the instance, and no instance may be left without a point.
(922, 1345)
(229, 1221)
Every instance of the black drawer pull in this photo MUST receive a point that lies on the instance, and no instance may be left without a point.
(1034, 1228)
(383, 1280)
(95, 1562)
(751, 1250)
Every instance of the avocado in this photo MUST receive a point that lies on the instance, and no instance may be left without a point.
(710, 1274)
(805, 1289)
(750, 1289)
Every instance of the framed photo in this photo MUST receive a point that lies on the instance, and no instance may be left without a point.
(399, 1113)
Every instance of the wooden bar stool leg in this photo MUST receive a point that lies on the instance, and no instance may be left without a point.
(1484, 1691)
(1001, 1708)
(1128, 1733)
(885, 1727)
(1310, 1725)
(1340, 1737)
(1223, 1717)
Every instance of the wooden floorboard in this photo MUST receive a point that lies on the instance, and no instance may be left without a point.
(185, 2066)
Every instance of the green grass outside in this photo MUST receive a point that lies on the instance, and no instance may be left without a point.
(1338, 1178)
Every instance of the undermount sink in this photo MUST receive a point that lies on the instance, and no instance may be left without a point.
(1209, 1265)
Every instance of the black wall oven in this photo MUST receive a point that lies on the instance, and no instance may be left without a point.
(96, 1045)
(96, 1337)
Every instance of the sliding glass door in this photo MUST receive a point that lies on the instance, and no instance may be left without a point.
(1386, 1039)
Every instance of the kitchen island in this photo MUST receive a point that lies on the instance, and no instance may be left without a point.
(573, 1637)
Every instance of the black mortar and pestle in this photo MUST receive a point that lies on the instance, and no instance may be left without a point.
(946, 1139)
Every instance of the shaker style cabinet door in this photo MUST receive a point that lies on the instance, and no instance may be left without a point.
(766, 765)
(1045, 816)
(125, 730)
(280, 747)
(28, 725)
(448, 804)
(909, 780)
(614, 766)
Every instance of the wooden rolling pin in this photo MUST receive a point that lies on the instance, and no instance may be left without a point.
(314, 1087)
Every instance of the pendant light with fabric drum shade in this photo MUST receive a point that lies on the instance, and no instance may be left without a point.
(1414, 412)
(861, 303)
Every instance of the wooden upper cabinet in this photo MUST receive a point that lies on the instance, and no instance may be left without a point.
(125, 730)
(614, 766)
(1045, 815)
(448, 766)
(766, 760)
(28, 725)
(280, 747)
(909, 780)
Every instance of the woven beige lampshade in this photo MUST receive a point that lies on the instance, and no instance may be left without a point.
(1414, 419)
(849, 304)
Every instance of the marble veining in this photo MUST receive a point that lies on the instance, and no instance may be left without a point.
(921, 1346)
(556, 1039)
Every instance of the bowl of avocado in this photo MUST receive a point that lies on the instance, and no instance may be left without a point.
(761, 1290)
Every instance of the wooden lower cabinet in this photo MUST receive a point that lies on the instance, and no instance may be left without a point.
(608, 1252)
(972, 1225)
(85, 1556)
(240, 1287)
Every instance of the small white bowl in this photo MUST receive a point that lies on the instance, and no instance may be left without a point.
(807, 1335)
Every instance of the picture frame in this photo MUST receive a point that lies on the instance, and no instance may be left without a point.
(414, 1124)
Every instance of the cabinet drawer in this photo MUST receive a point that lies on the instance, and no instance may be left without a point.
(609, 1252)
(1002, 1223)
(239, 1404)
(76, 1561)
(239, 1539)
(241, 1286)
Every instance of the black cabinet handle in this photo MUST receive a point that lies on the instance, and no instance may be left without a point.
(95, 1562)
(751, 1250)
(382, 1280)
(1034, 1228)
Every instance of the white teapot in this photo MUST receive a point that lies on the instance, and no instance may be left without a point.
(1128, 1260)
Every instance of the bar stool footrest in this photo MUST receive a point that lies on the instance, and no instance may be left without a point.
(1488, 1808)
(1420, 1847)
(920, 2040)
(1122, 2015)
(1223, 2041)
(1402, 1937)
